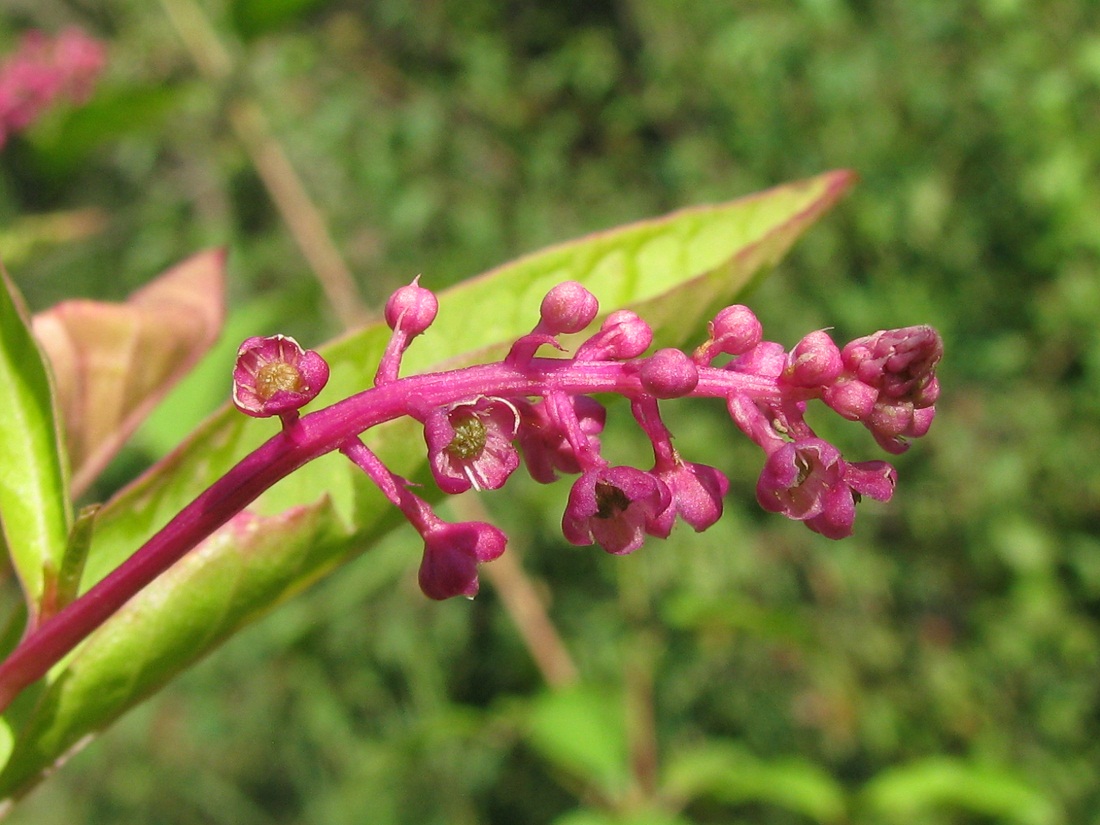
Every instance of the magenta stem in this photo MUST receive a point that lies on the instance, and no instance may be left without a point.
(311, 436)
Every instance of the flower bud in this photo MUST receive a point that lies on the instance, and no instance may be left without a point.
(668, 373)
(850, 397)
(412, 307)
(623, 335)
(735, 330)
(568, 307)
(814, 362)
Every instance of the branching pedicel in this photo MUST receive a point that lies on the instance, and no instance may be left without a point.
(472, 427)
(474, 418)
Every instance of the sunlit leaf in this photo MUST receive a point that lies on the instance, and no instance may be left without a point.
(114, 362)
(590, 817)
(729, 773)
(246, 568)
(35, 512)
(581, 732)
(676, 270)
(907, 792)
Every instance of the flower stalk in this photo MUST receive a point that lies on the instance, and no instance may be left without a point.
(477, 420)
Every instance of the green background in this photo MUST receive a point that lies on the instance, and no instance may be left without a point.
(941, 666)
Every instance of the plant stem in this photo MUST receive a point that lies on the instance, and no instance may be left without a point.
(314, 435)
(282, 181)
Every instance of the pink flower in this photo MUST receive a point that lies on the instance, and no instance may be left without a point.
(452, 553)
(697, 491)
(797, 476)
(612, 507)
(41, 71)
(275, 376)
(809, 481)
(470, 444)
(546, 450)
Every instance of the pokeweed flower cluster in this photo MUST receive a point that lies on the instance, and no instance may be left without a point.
(481, 423)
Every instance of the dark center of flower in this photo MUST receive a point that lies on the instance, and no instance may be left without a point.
(610, 500)
(469, 438)
(276, 376)
(804, 468)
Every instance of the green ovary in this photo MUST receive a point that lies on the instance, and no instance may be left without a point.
(469, 438)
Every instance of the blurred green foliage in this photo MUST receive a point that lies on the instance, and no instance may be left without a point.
(942, 666)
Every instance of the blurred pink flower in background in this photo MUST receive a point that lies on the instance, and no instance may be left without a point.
(44, 69)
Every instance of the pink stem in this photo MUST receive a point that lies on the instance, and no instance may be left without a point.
(310, 437)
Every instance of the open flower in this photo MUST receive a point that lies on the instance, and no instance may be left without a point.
(697, 491)
(452, 553)
(275, 376)
(470, 444)
(612, 507)
(861, 478)
(797, 477)
(808, 481)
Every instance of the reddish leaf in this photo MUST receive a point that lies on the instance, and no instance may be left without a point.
(113, 362)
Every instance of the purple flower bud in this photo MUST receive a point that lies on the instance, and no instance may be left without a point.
(697, 491)
(901, 363)
(623, 335)
(452, 553)
(814, 362)
(275, 376)
(735, 330)
(767, 359)
(546, 450)
(668, 373)
(612, 507)
(568, 307)
(850, 397)
(470, 444)
(411, 307)
(922, 422)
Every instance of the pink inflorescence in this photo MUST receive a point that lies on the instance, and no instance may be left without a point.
(481, 423)
(44, 70)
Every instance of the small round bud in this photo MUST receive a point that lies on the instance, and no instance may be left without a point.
(668, 373)
(412, 307)
(568, 307)
(735, 330)
(814, 362)
(851, 398)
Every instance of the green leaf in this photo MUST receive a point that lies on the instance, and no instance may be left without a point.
(921, 789)
(729, 773)
(246, 568)
(252, 18)
(581, 732)
(586, 816)
(35, 511)
(677, 271)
